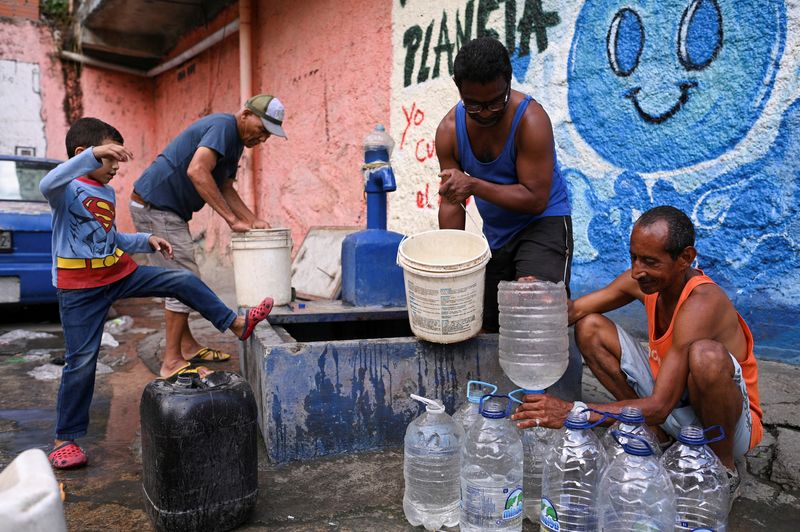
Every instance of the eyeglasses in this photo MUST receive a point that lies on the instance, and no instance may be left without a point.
(492, 107)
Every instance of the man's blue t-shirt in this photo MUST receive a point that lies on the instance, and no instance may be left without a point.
(165, 184)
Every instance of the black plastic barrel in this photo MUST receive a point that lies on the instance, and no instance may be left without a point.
(199, 452)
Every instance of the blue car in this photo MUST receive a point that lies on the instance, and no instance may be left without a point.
(25, 232)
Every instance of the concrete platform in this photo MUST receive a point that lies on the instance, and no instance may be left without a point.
(331, 378)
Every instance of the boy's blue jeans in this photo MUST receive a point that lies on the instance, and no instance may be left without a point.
(83, 313)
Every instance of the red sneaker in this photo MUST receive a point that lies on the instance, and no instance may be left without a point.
(255, 316)
(67, 456)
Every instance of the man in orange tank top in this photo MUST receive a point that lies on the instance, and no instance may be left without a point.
(699, 367)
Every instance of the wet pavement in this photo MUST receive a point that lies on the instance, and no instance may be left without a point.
(358, 492)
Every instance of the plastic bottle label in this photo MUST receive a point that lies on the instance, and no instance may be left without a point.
(498, 505)
(548, 519)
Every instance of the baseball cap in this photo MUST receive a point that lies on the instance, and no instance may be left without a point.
(270, 110)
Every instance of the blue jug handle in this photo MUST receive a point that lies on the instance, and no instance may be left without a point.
(482, 384)
(603, 416)
(617, 433)
(718, 438)
(520, 390)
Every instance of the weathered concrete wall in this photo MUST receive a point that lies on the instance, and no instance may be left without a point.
(207, 83)
(689, 103)
(31, 45)
(330, 63)
(126, 102)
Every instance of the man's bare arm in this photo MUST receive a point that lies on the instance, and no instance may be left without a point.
(236, 204)
(618, 293)
(199, 172)
(451, 215)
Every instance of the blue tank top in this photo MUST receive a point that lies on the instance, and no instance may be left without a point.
(499, 224)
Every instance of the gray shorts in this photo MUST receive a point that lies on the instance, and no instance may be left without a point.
(174, 230)
(636, 366)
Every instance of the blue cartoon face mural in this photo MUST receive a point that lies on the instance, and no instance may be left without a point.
(678, 82)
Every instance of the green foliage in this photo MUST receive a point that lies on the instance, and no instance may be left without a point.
(56, 11)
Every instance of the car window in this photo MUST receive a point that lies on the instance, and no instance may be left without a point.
(19, 180)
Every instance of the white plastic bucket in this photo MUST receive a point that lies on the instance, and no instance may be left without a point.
(30, 498)
(262, 266)
(444, 272)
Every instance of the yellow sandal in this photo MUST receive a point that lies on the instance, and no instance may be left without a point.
(207, 354)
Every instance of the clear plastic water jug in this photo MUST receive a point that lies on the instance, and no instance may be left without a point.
(534, 343)
(571, 476)
(491, 470)
(379, 139)
(629, 421)
(699, 479)
(635, 491)
(537, 442)
(431, 468)
(469, 413)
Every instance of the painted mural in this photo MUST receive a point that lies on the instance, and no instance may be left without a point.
(692, 103)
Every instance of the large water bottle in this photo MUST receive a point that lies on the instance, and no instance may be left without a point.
(469, 412)
(534, 342)
(536, 444)
(629, 421)
(700, 481)
(571, 476)
(431, 468)
(635, 491)
(491, 470)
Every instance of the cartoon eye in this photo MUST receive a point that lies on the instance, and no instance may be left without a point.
(700, 34)
(625, 42)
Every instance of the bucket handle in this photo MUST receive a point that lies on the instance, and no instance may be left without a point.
(397, 257)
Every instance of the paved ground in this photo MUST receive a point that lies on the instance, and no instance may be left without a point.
(357, 492)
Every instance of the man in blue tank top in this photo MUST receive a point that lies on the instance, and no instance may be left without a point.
(199, 167)
(497, 145)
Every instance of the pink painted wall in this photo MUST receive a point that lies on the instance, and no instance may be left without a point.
(126, 102)
(31, 42)
(207, 83)
(330, 63)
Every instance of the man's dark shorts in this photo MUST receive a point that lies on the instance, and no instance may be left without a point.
(543, 250)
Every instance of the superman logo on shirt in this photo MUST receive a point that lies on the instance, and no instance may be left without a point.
(102, 210)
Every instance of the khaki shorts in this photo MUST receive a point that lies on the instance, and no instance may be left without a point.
(636, 366)
(174, 230)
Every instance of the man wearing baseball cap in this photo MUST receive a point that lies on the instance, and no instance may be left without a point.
(197, 168)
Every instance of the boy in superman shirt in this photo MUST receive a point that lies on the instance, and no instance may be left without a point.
(92, 268)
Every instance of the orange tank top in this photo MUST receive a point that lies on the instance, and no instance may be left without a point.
(659, 347)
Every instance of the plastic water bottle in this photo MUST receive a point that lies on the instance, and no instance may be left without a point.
(700, 481)
(629, 421)
(571, 476)
(534, 342)
(431, 468)
(491, 470)
(469, 413)
(635, 492)
(536, 443)
(379, 139)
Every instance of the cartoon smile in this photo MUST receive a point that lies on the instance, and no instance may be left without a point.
(632, 95)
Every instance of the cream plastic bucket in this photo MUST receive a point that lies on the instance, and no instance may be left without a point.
(262, 266)
(444, 272)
